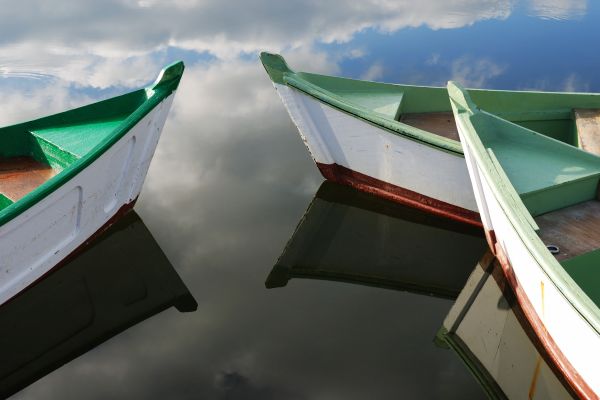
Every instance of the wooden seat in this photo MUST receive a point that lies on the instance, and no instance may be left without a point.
(573, 229)
(440, 123)
(588, 129)
(21, 175)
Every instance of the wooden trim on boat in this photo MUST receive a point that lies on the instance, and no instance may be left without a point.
(537, 332)
(365, 183)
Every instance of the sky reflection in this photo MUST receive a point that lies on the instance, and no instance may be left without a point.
(231, 178)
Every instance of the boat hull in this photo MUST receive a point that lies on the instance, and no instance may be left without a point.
(552, 304)
(354, 152)
(572, 345)
(41, 237)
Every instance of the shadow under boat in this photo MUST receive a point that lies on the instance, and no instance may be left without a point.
(120, 279)
(488, 330)
(350, 236)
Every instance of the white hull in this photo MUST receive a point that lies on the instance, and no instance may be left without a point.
(570, 340)
(335, 137)
(36, 240)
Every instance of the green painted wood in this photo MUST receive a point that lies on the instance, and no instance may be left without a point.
(54, 139)
(547, 173)
(47, 153)
(561, 195)
(4, 201)
(545, 112)
(482, 130)
(79, 139)
(584, 270)
(512, 194)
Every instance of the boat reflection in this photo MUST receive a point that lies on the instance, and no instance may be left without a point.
(120, 279)
(487, 328)
(347, 235)
(350, 236)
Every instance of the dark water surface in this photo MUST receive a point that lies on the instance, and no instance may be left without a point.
(358, 287)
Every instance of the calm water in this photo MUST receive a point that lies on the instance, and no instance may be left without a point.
(230, 183)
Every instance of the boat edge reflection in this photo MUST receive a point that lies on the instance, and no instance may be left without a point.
(119, 279)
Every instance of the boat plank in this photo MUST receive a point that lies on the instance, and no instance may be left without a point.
(588, 129)
(573, 229)
(440, 123)
(21, 175)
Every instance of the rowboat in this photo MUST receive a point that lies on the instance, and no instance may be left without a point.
(487, 329)
(400, 141)
(65, 177)
(94, 296)
(350, 236)
(539, 205)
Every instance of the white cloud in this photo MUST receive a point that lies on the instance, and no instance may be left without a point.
(99, 44)
(574, 84)
(473, 72)
(375, 72)
(53, 97)
(558, 9)
(433, 59)
(228, 129)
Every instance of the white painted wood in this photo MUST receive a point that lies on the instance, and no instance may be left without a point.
(333, 136)
(39, 238)
(576, 338)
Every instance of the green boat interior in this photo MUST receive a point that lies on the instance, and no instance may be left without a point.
(32, 153)
(428, 108)
(559, 186)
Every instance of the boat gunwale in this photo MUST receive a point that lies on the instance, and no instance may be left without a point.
(165, 84)
(280, 73)
(572, 293)
(392, 126)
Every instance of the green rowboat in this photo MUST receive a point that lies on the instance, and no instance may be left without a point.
(540, 207)
(400, 141)
(65, 177)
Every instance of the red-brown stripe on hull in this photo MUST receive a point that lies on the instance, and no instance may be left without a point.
(365, 183)
(120, 213)
(538, 334)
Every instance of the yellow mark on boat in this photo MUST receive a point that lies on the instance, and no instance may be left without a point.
(536, 373)
(543, 306)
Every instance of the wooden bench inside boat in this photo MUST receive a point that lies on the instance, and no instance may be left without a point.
(575, 230)
(440, 123)
(546, 174)
(30, 157)
(587, 122)
(21, 175)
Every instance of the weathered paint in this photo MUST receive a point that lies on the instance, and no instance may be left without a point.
(549, 113)
(365, 183)
(336, 138)
(20, 175)
(376, 109)
(534, 378)
(555, 357)
(18, 140)
(569, 328)
(48, 224)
